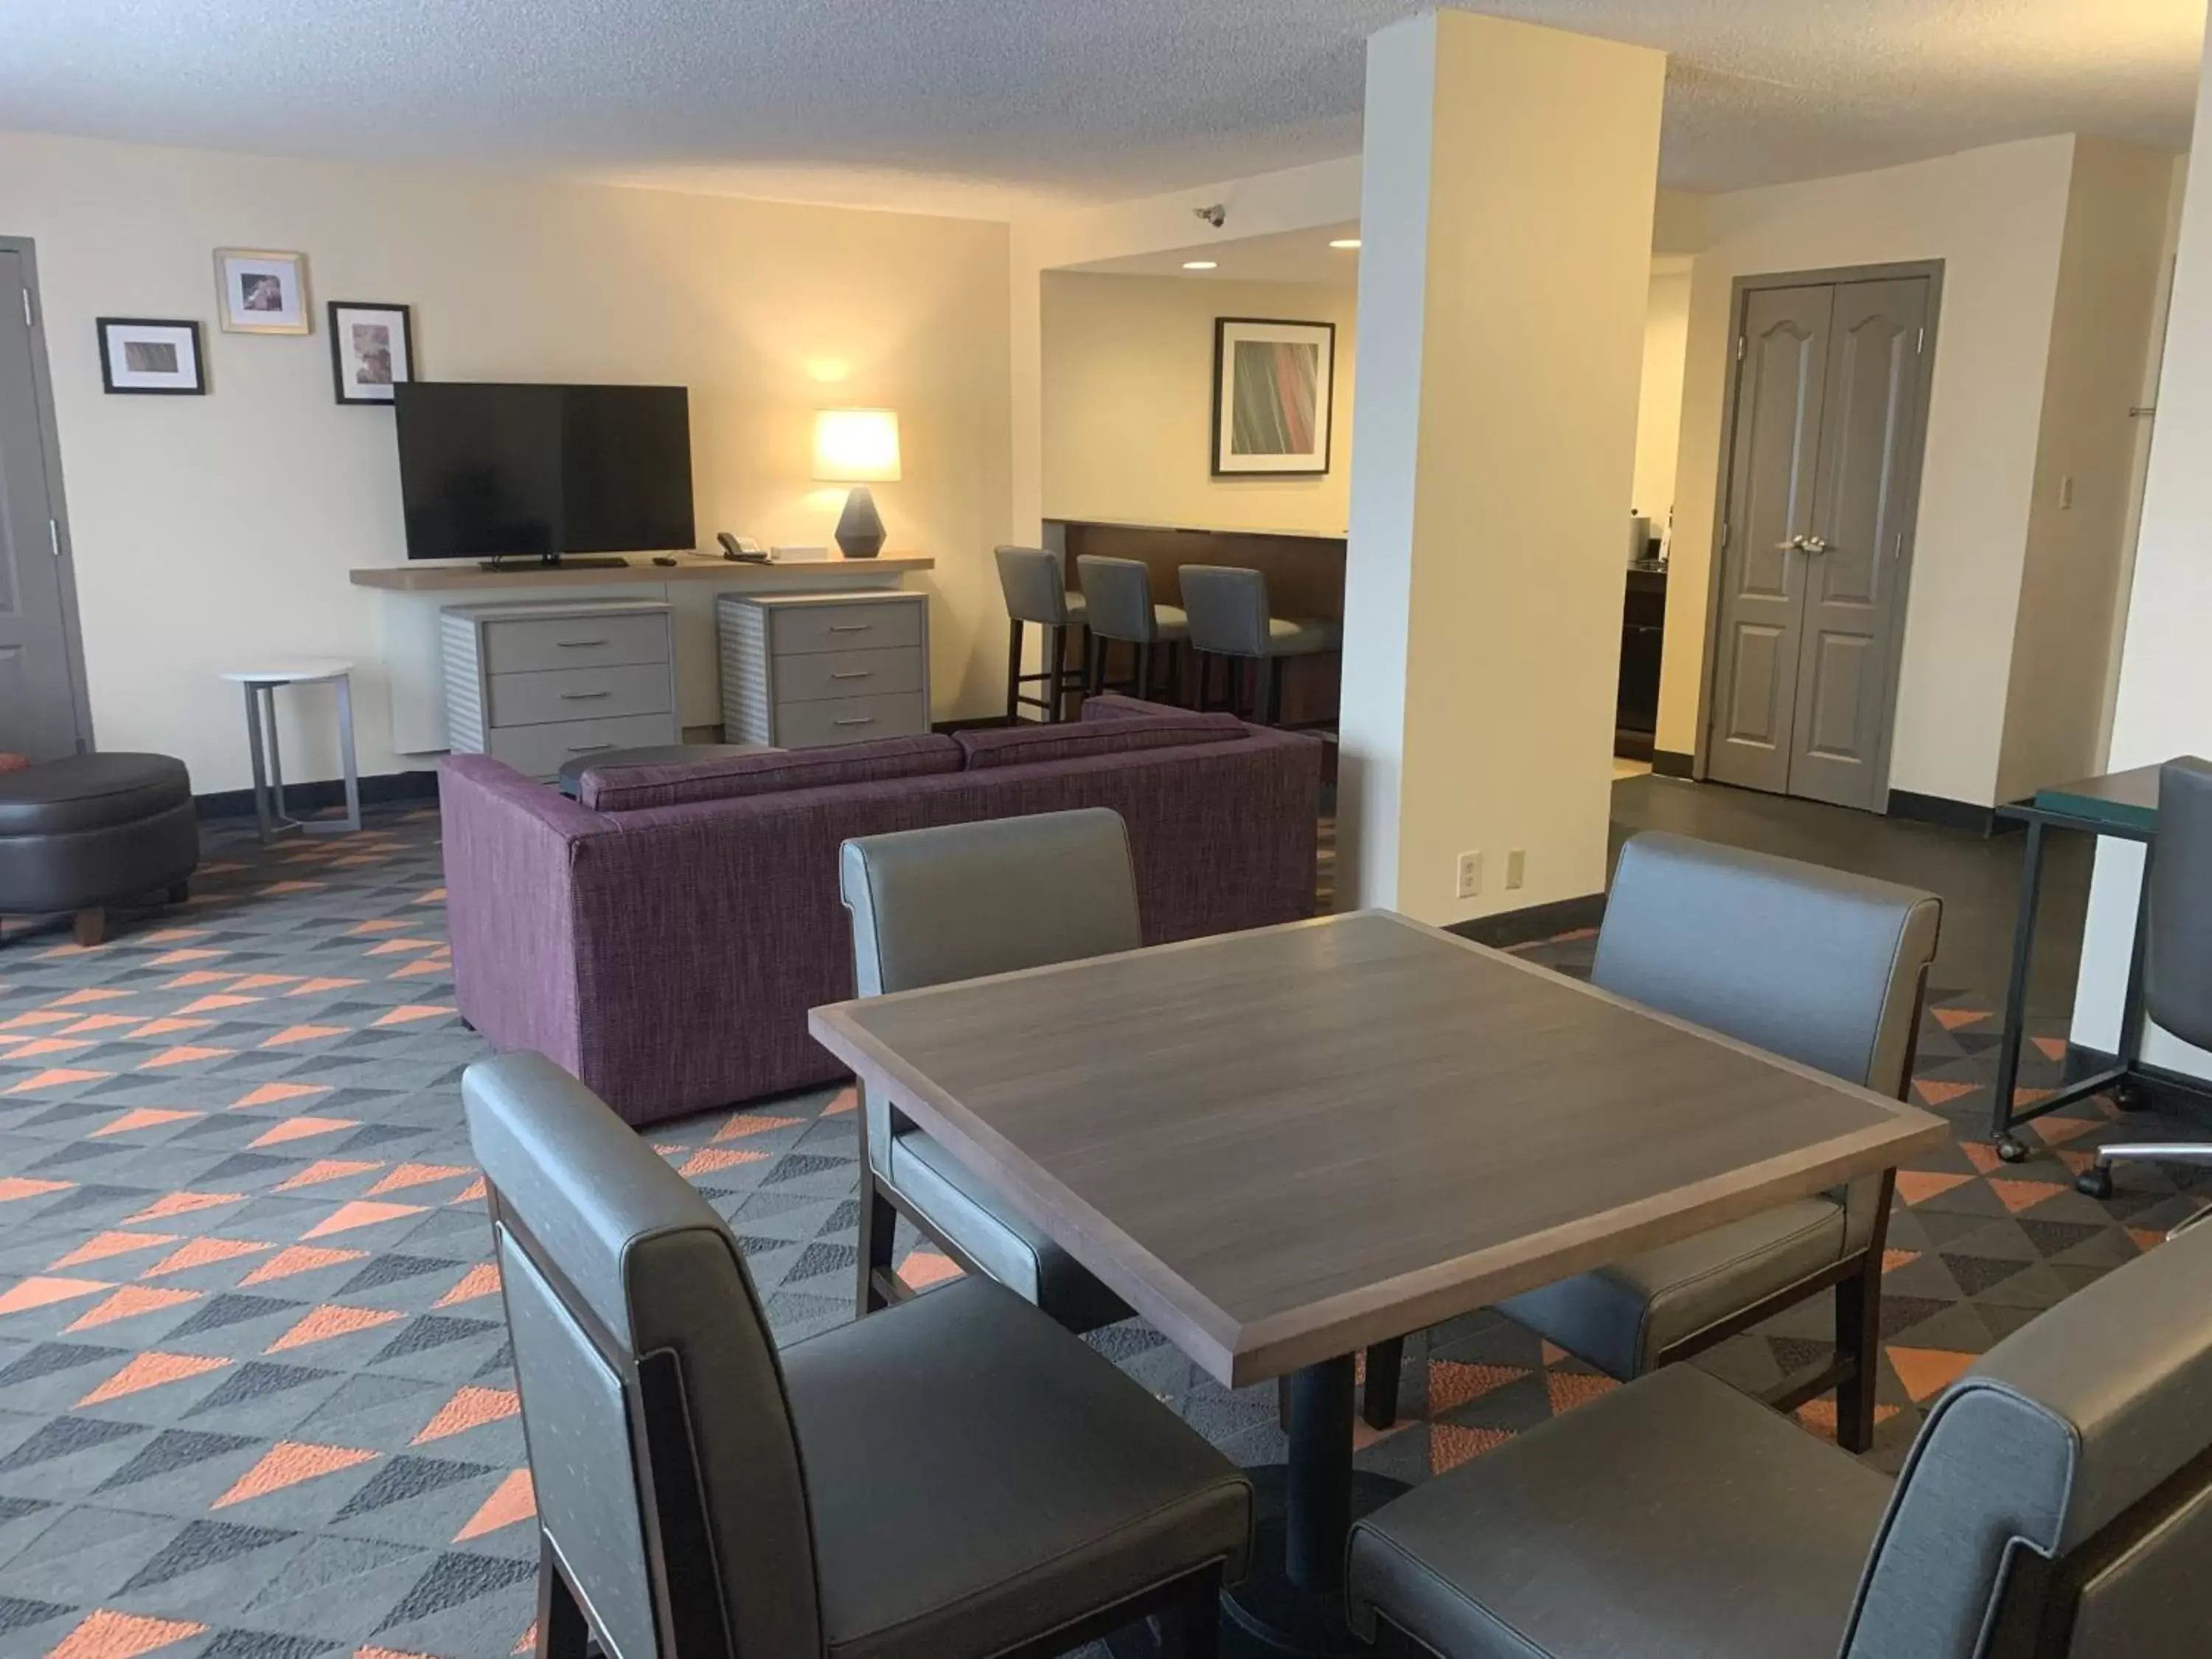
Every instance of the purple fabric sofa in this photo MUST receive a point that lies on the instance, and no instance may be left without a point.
(663, 936)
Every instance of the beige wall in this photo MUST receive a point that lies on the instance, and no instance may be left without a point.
(1128, 375)
(1996, 217)
(2109, 272)
(1659, 406)
(210, 531)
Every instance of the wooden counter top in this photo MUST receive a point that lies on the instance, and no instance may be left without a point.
(435, 577)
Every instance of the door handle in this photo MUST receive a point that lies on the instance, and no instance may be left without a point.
(1795, 545)
(1812, 544)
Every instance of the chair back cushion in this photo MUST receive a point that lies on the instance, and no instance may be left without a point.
(2178, 965)
(1034, 584)
(2058, 1499)
(1799, 960)
(1228, 609)
(661, 1450)
(963, 899)
(734, 777)
(1118, 596)
(1032, 744)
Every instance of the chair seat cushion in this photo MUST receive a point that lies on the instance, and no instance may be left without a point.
(1170, 621)
(1620, 1318)
(1289, 638)
(978, 1476)
(1671, 1519)
(966, 1209)
(90, 792)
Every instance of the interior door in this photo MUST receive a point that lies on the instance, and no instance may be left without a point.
(39, 698)
(1854, 558)
(1781, 378)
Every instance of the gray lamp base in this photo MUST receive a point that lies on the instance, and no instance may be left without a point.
(860, 527)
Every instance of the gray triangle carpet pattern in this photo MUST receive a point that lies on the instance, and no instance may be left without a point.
(255, 1395)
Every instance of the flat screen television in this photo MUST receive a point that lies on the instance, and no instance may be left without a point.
(490, 471)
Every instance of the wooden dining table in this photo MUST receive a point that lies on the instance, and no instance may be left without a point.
(1282, 1146)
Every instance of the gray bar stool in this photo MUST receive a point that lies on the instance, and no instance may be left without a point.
(1229, 618)
(1119, 595)
(1036, 591)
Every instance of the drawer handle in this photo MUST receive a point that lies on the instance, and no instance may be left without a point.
(588, 748)
(854, 674)
(580, 645)
(859, 719)
(850, 628)
(584, 696)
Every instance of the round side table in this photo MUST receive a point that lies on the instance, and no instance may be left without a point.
(261, 681)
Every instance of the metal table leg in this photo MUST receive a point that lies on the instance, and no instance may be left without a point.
(2009, 1147)
(351, 823)
(262, 816)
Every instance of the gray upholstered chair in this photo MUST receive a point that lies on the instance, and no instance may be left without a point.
(959, 902)
(1229, 618)
(1034, 584)
(1118, 595)
(2177, 969)
(1824, 968)
(955, 1476)
(2057, 1504)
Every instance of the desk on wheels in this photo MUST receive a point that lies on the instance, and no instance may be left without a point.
(2124, 806)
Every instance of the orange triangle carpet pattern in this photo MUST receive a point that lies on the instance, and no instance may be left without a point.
(255, 1395)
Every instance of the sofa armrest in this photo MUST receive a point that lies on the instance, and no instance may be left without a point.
(510, 904)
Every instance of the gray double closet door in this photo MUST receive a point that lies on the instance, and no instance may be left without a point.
(1824, 463)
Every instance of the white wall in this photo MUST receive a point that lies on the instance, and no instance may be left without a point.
(1128, 398)
(1997, 218)
(211, 531)
(2084, 473)
(1659, 406)
(2164, 707)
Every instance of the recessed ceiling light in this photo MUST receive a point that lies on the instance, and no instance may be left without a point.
(1345, 242)
(1201, 264)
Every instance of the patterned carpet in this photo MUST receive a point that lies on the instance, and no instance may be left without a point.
(254, 1394)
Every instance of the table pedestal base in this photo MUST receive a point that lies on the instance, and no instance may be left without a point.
(1270, 1614)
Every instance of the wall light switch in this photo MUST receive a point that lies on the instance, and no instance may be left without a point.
(1516, 867)
(2066, 494)
(1470, 874)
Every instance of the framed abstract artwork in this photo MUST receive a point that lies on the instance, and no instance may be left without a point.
(144, 354)
(1273, 383)
(372, 350)
(260, 292)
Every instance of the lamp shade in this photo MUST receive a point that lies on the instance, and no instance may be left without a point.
(856, 445)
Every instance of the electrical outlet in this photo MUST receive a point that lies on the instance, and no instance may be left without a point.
(1516, 867)
(1470, 874)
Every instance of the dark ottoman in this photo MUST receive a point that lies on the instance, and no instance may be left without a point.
(91, 830)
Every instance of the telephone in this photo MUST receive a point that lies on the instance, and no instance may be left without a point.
(741, 547)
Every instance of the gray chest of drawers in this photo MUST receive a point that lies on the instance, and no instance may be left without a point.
(536, 686)
(803, 670)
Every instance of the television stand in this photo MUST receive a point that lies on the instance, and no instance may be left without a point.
(563, 562)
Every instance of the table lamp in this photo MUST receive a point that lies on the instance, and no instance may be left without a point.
(859, 446)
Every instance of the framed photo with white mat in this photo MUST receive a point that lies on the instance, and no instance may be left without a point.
(1274, 386)
(150, 355)
(261, 292)
(372, 350)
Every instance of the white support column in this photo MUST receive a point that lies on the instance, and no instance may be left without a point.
(1506, 214)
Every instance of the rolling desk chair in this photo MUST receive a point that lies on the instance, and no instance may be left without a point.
(2177, 969)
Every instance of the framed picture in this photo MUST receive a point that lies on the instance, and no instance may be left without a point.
(372, 350)
(1274, 385)
(261, 293)
(144, 354)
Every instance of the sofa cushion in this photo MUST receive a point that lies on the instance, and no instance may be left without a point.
(1113, 706)
(1031, 745)
(633, 789)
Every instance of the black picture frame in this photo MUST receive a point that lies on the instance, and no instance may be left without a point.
(406, 357)
(183, 324)
(1223, 466)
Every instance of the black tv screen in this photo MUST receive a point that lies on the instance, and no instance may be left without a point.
(533, 472)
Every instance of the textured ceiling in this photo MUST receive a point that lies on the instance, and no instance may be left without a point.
(983, 105)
